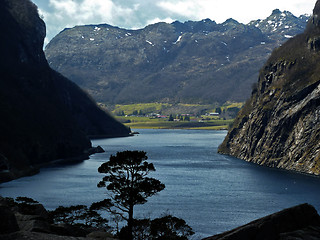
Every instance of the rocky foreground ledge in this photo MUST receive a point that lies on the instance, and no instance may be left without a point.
(296, 223)
(33, 222)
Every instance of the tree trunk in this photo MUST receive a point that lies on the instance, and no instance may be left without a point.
(130, 223)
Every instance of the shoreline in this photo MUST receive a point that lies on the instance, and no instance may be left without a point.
(7, 176)
(275, 168)
(214, 128)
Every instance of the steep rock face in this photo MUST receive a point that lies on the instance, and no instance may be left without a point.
(280, 125)
(180, 62)
(44, 116)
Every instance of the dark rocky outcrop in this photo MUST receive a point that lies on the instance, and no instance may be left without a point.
(191, 62)
(44, 116)
(30, 220)
(8, 221)
(299, 222)
(280, 126)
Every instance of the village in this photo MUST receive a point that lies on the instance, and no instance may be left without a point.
(208, 121)
(175, 116)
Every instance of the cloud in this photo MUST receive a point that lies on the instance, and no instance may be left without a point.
(133, 14)
(243, 11)
(83, 11)
(183, 8)
(67, 6)
(156, 20)
(218, 10)
(69, 13)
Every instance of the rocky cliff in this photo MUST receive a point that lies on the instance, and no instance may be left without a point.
(188, 62)
(44, 116)
(280, 126)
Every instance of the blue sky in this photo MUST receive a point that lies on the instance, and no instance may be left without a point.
(134, 14)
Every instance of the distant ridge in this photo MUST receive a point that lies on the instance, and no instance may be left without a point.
(190, 62)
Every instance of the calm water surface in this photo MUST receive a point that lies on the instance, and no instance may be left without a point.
(212, 192)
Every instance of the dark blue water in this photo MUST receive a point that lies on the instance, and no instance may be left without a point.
(212, 192)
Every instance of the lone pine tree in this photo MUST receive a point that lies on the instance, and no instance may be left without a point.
(127, 184)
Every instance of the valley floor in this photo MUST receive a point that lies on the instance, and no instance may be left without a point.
(201, 123)
(175, 116)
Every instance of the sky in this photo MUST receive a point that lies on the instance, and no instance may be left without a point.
(135, 14)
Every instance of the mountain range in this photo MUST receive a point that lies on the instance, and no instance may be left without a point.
(190, 62)
(279, 126)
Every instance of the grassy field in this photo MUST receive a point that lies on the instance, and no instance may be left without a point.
(139, 115)
(167, 108)
(228, 105)
(163, 123)
(144, 107)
